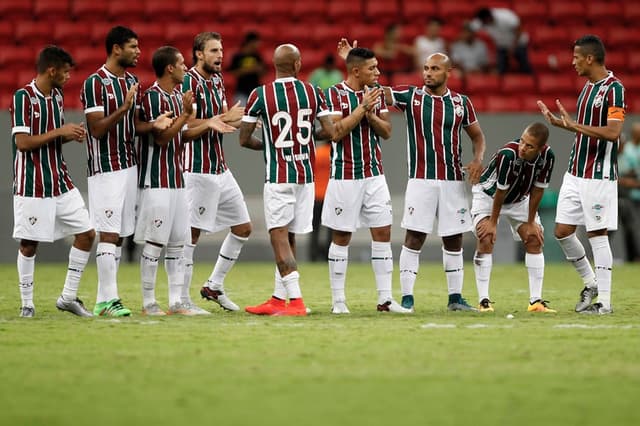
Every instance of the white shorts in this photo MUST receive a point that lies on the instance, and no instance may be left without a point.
(112, 201)
(290, 205)
(351, 204)
(49, 219)
(515, 213)
(426, 200)
(589, 202)
(162, 217)
(215, 201)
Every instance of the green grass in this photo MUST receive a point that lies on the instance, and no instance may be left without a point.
(432, 368)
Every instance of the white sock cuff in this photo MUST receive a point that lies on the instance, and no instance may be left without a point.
(118, 251)
(290, 277)
(107, 248)
(338, 251)
(452, 253)
(240, 239)
(78, 255)
(482, 257)
(174, 251)
(151, 251)
(534, 260)
(380, 246)
(25, 258)
(599, 241)
(412, 251)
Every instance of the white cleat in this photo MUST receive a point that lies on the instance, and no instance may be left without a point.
(394, 307)
(340, 307)
(153, 310)
(218, 297)
(195, 308)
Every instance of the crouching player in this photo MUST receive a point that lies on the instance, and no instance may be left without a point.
(511, 186)
(161, 216)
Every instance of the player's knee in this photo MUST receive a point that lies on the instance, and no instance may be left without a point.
(242, 231)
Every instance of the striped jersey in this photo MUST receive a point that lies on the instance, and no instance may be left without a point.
(204, 154)
(593, 158)
(160, 166)
(506, 171)
(115, 150)
(288, 109)
(434, 124)
(358, 155)
(40, 172)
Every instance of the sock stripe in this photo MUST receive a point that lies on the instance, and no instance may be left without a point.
(381, 258)
(230, 259)
(454, 270)
(408, 271)
(604, 268)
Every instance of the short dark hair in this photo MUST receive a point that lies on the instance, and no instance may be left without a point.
(539, 131)
(592, 45)
(53, 56)
(357, 55)
(118, 35)
(201, 40)
(163, 56)
(484, 14)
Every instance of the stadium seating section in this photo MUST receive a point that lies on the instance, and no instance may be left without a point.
(80, 26)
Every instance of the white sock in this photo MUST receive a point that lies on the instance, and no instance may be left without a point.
(173, 264)
(188, 270)
(106, 263)
(291, 283)
(118, 256)
(148, 272)
(409, 264)
(338, 262)
(453, 263)
(279, 291)
(77, 262)
(482, 265)
(26, 269)
(574, 252)
(603, 260)
(382, 264)
(535, 267)
(229, 252)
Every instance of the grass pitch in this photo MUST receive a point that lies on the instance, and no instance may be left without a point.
(434, 367)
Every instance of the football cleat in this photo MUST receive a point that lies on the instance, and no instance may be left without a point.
(218, 297)
(340, 307)
(540, 306)
(180, 308)
(459, 303)
(597, 309)
(295, 308)
(393, 306)
(407, 301)
(111, 308)
(485, 305)
(270, 307)
(153, 310)
(76, 307)
(195, 308)
(586, 298)
(27, 312)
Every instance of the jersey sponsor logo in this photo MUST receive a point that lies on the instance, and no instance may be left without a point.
(110, 96)
(344, 105)
(33, 220)
(36, 114)
(461, 212)
(416, 102)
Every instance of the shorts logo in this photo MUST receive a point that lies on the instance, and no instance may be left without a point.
(201, 210)
(461, 212)
(157, 223)
(597, 207)
(411, 210)
(338, 211)
(108, 213)
(33, 220)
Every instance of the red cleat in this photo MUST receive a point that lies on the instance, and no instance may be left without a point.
(295, 308)
(271, 307)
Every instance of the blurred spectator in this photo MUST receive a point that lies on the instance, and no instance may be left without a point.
(629, 193)
(469, 53)
(393, 55)
(429, 42)
(320, 236)
(247, 66)
(326, 75)
(503, 25)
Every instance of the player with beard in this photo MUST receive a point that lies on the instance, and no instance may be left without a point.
(111, 105)
(213, 195)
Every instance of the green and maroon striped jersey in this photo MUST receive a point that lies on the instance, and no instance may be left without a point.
(507, 171)
(434, 124)
(205, 154)
(288, 109)
(160, 166)
(40, 172)
(593, 158)
(115, 150)
(358, 155)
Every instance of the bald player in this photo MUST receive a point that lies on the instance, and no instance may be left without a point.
(288, 109)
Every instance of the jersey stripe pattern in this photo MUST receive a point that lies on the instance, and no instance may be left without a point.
(506, 171)
(115, 150)
(41, 172)
(288, 109)
(358, 155)
(160, 166)
(204, 154)
(434, 124)
(593, 158)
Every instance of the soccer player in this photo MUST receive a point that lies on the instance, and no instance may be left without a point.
(589, 192)
(111, 106)
(46, 204)
(357, 193)
(511, 187)
(288, 109)
(161, 222)
(213, 195)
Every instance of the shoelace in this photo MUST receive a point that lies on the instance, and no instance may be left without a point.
(116, 306)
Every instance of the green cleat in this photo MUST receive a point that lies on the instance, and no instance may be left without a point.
(459, 303)
(112, 308)
(407, 301)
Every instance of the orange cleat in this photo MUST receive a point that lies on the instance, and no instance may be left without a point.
(271, 307)
(295, 308)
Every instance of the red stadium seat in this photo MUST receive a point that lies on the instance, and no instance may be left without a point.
(577, 31)
(455, 13)
(89, 58)
(555, 84)
(617, 61)
(197, 12)
(634, 63)
(125, 11)
(180, 35)
(482, 84)
(72, 91)
(567, 12)
(550, 60)
(602, 14)
(366, 34)
(51, 10)
(163, 11)
(328, 34)
(531, 13)
(633, 105)
(12, 10)
(6, 33)
(455, 82)
(502, 103)
(312, 59)
(631, 13)
(344, 13)
(151, 35)
(297, 34)
(88, 10)
(99, 32)
(274, 11)
(32, 33)
(547, 36)
(9, 82)
(13, 57)
(417, 9)
(623, 38)
(410, 78)
(238, 11)
(382, 12)
(68, 34)
(518, 84)
(307, 11)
